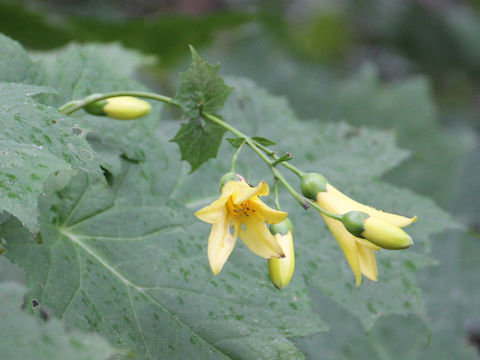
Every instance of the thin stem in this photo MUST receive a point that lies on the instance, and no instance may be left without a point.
(305, 203)
(323, 211)
(239, 134)
(261, 150)
(274, 156)
(234, 158)
(73, 106)
(275, 195)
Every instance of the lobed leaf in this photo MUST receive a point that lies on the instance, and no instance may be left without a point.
(24, 337)
(201, 89)
(134, 269)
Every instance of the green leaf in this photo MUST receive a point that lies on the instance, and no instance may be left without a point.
(263, 141)
(236, 142)
(24, 337)
(37, 141)
(199, 140)
(79, 71)
(201, 88)
(16, 65)
(134, 267)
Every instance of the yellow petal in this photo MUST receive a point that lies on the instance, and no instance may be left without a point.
(258, 238)
(220, 244)
(368, 264)
(214, 212)
(367, 243)
(229, 188)
(245, 191)
(270, 215)
(348, 244)
(340, 204)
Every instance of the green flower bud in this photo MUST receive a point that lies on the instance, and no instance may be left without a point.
(119, 107)
(281, 270)
(354, 222)
(312, 184)
(282, 227)
(96, 108)
(230, 176)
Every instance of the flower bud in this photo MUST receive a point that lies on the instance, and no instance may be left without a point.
(281, 269)
(379, 232)
(354, 222)
(230, 176)
(312, 184)
(385, 234)
(119, 107)
(282, 227)
(96, 108)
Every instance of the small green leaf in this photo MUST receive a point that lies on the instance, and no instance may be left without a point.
(24, 337)
(199, 140)
(201, 88)
(236, 142)
(263, 141)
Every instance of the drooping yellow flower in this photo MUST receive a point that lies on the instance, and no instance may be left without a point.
(239, 212)
(380, 227)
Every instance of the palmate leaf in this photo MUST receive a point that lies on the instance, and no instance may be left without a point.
(201, 89)
(36, 141)
(133, 267)
(352, 159)
(79, 71)
(24, 337)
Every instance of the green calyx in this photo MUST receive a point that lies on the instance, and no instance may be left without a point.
(354, 222)
(96, 108)
(282, 227)
(230, 176)
(312, 184)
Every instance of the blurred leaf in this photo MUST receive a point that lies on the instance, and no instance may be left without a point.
(24, 337)
(42, 27)
(37, 141)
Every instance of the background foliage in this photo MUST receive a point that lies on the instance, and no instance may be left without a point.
(115, 203)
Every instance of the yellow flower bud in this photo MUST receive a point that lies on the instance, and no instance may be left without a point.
(385, 234)
(281, 269)
(126, 107)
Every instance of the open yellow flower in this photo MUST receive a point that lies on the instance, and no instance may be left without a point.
(359, 251)
(239, 212)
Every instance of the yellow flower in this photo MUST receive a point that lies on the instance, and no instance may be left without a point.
(380, 227)
(239, 212)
